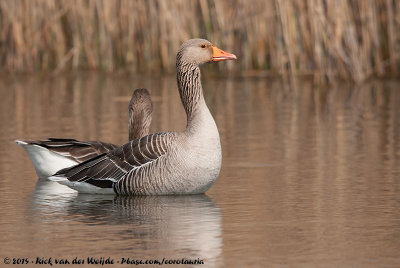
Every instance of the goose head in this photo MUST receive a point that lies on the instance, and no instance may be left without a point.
(140, 111)
(200, 51)
(141, 100)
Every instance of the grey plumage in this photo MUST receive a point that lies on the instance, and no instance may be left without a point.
(140, 113)
(185, 162)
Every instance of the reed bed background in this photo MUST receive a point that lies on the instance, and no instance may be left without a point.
(329, 39)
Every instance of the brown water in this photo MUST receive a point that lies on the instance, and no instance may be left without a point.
(310, 177)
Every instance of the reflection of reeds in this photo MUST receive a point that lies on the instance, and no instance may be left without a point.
(348, 39)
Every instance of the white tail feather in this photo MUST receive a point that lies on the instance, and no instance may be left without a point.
(20, 143)
(46, 162)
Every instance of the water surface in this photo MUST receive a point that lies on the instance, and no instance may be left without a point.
(310, 176)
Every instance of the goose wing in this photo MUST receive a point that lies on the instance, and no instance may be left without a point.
(106, 169)
(78, 151)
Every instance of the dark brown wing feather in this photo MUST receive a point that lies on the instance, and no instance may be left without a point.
(78, 151)
(107, 169)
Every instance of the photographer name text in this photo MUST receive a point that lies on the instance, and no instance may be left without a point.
(99, 261)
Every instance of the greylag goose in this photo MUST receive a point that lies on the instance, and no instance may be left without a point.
(49, 156)
(186, 162)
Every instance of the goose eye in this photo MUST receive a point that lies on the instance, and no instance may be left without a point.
(203, 46)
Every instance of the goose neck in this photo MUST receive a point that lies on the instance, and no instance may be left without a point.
(190, 89)
(139, 124)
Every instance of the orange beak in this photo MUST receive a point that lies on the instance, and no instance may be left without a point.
(219, 55)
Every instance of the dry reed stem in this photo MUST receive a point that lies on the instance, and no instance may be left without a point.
(348, 39)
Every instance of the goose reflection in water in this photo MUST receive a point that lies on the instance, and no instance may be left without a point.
(188, 225)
